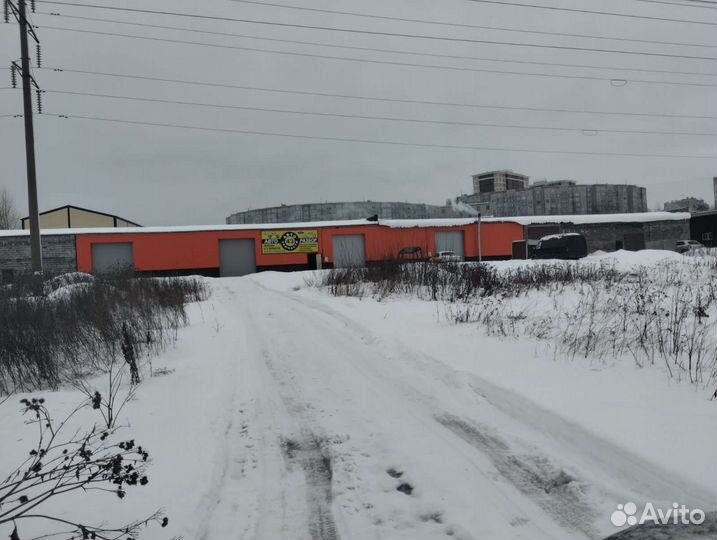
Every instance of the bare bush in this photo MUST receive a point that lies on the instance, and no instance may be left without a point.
(453, 282)
(664, 315)
(65, 460)
(62, 328)
(9, 216)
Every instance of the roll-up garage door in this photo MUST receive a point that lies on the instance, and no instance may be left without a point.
(450, 241)
(349, 250)
(237, 257)
(107, 258)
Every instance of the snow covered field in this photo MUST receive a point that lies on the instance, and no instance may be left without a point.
(287, 413)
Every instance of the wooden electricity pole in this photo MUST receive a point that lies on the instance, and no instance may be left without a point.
(35, 240)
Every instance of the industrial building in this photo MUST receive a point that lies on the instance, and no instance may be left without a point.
(632, 232)
(229, 250)
(703, 227)
(505, 194)
(74, 217)
(333, 211)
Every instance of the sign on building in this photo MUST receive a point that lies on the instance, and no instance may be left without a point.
(303, 241)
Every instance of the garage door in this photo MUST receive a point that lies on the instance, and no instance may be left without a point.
(237, 257)
(634, 242)
(450, 241)
(349, 250)
(108, 258)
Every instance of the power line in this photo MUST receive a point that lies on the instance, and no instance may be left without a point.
(496, 2)
(587, 131)
(616, 81)
(378, 33)
(683, 4)
(383, 50)
(591, 12)
(367, 141)
(374, 98)
(465, 25)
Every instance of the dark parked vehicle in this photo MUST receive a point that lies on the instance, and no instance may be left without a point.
(561, 246)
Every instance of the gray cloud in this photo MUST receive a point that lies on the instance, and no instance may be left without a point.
(169, 176)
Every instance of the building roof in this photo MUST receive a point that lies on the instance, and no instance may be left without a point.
(705, 213)
(501, 171)
(392, 223)
(585, 219)
(83, 210)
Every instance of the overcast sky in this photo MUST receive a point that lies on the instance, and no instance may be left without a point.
(163, 175)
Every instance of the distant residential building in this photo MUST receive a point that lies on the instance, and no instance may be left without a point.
(714, 187)
(337, 211)
(493, 181)
(544, 198)
(688, 204)
(74, 217)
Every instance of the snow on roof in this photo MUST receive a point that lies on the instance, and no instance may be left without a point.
(553, 236)
(191, 228)
(641, 217)
(436, 222)
(392, 223)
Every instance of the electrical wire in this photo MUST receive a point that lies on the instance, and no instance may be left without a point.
(588, 12)
(616, 81)
(373, 98)
(589, 130)
(391, 51)
(366, 141)
(692, 3)
(465, 25)
(495, 2)
(379, 33)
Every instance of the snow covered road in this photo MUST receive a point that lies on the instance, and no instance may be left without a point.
(285, 413)
(333, 428)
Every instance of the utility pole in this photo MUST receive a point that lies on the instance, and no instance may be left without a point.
(480, 241)
(35, 241)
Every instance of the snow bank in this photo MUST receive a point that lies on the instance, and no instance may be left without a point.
(627, 261)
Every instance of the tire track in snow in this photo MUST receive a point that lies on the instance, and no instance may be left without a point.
(312, 455)
(226, 421)
(358, 338)
(620, 467)
(554, 490)
(307, 449)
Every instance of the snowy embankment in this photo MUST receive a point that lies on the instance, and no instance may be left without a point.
(286, 412)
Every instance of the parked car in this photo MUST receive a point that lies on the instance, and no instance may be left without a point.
(446, 256)
(683, 246)
(413, 252)
(561, 246)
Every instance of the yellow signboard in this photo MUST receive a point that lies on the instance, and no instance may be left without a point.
(304, 241)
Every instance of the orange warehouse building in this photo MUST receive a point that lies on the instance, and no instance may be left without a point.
(241, 249)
